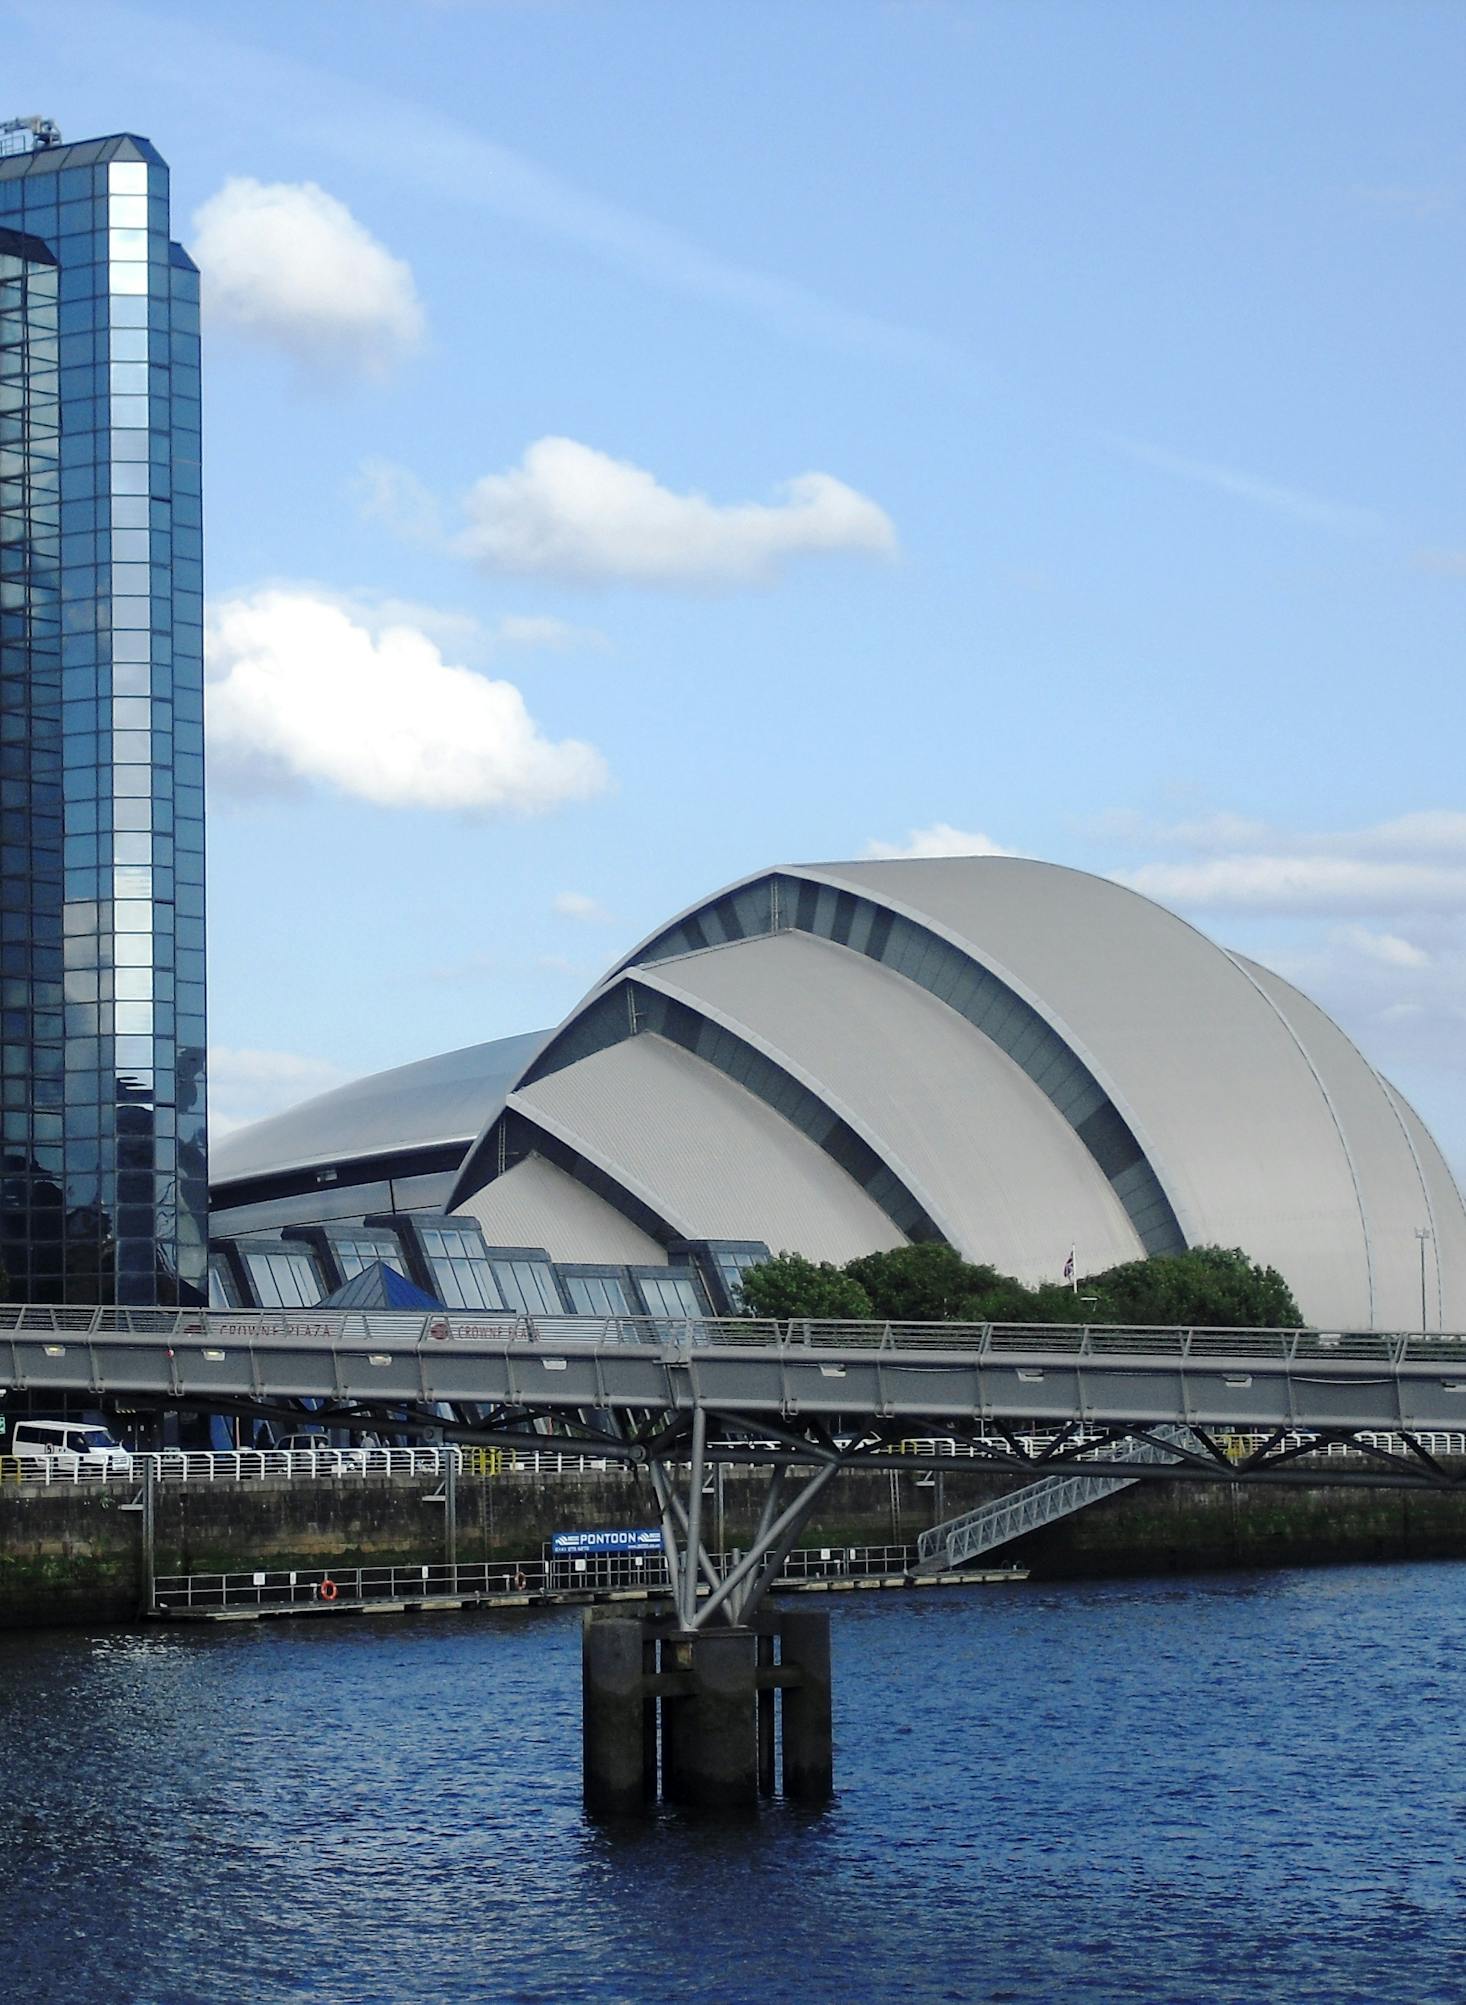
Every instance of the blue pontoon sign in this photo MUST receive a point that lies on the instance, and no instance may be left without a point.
(580, 1543)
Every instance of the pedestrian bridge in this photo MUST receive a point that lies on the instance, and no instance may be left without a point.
(889, 1376)
(803, 1399)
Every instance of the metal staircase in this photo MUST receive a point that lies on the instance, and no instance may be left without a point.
(952, 1544)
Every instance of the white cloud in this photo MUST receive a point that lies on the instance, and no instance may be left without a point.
(541, 630)
(1429, 832)
(301, 688)
(1340, 516)
(387, 492)
(1412, 863)
(576, 905)
(246, 1085)
(1302, 884)
(287, 262)
(1388, 949)
(938, 840)
(568, 511)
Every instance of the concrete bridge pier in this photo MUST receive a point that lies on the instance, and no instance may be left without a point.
(690, 1714)
(809, 1750)
(710, 1727)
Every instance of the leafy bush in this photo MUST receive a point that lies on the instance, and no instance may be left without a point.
(1206, 1287)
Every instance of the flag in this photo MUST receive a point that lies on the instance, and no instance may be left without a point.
(1069, 1266)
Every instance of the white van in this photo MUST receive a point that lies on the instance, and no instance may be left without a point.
(89, 1448)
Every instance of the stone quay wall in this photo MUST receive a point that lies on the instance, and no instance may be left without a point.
(74, 1554)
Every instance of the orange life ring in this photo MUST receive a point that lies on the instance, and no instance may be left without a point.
(329, 1590)
(520, 1583)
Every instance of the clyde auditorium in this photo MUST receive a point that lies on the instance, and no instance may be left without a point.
(1008, 1056)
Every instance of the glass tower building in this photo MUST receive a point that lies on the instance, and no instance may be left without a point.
(103, 1166)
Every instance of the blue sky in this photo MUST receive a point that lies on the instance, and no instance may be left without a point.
(649, 442)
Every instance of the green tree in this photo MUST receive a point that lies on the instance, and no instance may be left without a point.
(1206, 1287)
(920, 1284)
(1008, 1301)
(790, 1285)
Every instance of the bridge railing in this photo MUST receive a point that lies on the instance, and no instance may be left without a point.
(173, 1466)
(170, 1328)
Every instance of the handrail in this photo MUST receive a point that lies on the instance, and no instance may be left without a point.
(999, 1341)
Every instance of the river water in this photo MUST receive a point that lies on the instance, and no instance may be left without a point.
(1240, 1787)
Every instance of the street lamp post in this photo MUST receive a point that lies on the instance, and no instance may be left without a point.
(1423, 1233)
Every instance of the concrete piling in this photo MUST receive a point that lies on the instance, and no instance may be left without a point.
(695, 1711)
(709, 1731)
(809, 1755)
(613, 1726)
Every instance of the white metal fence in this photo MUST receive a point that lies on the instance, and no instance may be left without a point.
(254, 1465)
(172, 1466)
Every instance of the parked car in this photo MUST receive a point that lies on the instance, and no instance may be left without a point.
(89, 1447)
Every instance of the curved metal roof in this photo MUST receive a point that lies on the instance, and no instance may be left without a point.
(1017, 1056)
(429, 1103)
(990, 1159)
(948, 1018)
(711, 1159)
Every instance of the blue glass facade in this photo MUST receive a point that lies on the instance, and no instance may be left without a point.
(103, 1164)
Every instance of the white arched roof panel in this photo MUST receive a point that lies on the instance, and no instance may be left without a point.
(1445, 1253)
(429, 1103)
(1001, 1173)
(705, 1153)
(1232, 1118)
(538, 1204)
(1387, 1171)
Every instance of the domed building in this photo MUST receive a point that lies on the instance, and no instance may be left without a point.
(1008, 1056)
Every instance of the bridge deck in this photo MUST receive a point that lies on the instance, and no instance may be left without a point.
(842, 1372)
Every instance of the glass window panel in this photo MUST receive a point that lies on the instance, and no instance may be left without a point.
(283, 1278)
(128, 212)
(597, 1295)
(671, 1294)
(528, 1285)
(124, 177)
(359, 1251)
(223, 1294)
(129, 413)
(127, 278)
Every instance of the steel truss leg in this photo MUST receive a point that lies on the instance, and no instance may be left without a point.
(732, 1599)
(749, 1581)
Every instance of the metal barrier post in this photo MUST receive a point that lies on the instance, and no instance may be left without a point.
(149, 1542)
(450, 1517)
